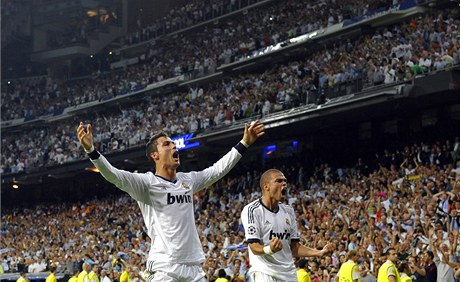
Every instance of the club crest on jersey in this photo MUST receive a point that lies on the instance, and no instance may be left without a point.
(185, 186)
(287, 221)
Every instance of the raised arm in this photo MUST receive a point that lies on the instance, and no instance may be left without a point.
(416, 163)
(415, 267)
(455, 234)
(133, 183)
(432, 242)
(437, 195)
(212, 174)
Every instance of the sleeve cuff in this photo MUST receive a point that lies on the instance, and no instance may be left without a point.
(241, 147)
(94, 155)
(249, 241)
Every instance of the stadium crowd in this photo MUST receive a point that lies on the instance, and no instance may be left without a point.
(407, 199)
(12, 14)
(426, 44)
(194, 53)
(186, 14)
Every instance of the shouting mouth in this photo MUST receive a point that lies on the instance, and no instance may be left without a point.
(176, 155)
(284, 192)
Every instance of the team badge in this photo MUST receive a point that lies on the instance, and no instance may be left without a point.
(287, 221)
(185, 186)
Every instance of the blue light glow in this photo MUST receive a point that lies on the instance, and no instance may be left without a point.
(182, 142)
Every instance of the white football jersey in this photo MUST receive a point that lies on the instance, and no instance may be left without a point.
(261, 225)
(167, 206)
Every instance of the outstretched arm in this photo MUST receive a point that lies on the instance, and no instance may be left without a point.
(299, 250)
(133, 183)
(212, 174)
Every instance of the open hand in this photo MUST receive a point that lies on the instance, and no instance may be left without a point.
(85, 136)
(253, 131)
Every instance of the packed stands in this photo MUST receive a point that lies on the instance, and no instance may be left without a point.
(396, 198)
(313, 79)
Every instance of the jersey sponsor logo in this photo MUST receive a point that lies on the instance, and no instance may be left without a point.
(179, 199)
(282, 236)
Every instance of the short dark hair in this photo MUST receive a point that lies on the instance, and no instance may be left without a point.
(152, 144)
(221, 273)
(390, 249)
(302, 263)
(403, 266)
(265, 177)
(430, 254)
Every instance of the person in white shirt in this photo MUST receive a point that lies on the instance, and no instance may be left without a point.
(165, 199)
(356, 198)
(5, 265)
(104, 277)
(390, 74)
(425, 63)
(271, 232)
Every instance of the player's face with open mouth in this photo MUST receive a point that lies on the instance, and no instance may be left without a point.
(167, 149)
(279, 183)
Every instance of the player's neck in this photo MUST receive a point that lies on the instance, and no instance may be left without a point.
(166, 173)
(270, 203)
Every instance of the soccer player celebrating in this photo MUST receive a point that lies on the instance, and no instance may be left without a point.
(271, 232)
(165, 200)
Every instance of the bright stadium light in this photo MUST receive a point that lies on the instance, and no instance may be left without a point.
(15, 184)
(92, 169)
